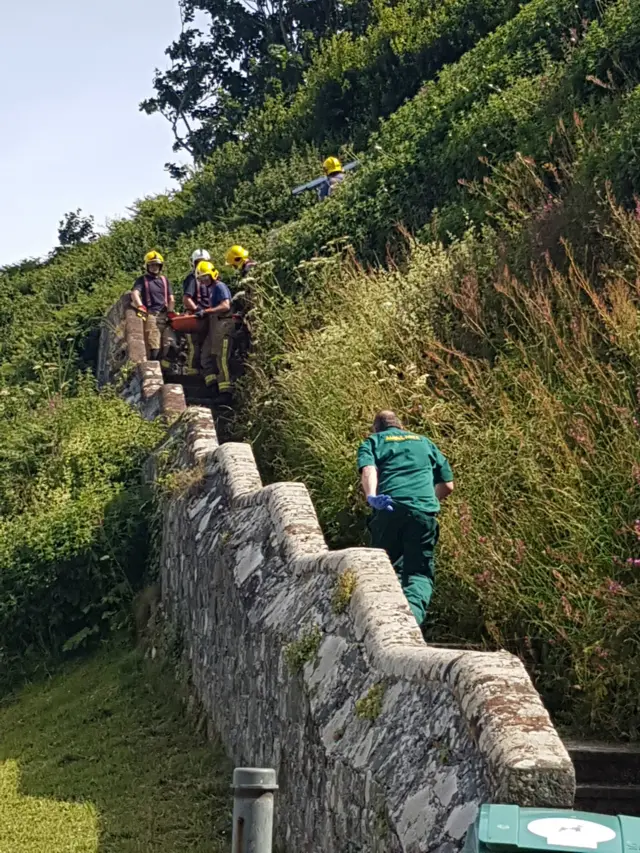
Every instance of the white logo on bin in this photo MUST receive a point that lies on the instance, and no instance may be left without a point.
(571, 832)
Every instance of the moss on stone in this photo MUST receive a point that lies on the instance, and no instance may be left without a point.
(303, 650)
(343, 590)
(183, 480)
(370, 706)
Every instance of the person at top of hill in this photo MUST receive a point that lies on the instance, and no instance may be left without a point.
(216, 350)
(332, 168)
(238, 258)
(152, 297)
(195, 296)
(404, 476)
(243, 301)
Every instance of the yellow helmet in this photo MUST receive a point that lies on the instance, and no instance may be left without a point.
(206, 268)
(235, 256)
(331, 165)
(153, 257)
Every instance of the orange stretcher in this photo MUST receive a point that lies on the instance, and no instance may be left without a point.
(188, 323)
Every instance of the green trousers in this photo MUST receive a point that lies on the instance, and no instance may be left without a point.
(409, 537)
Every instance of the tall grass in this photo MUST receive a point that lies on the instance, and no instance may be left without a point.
(541, 543)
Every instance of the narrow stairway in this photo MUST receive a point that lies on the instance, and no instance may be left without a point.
(195, 391)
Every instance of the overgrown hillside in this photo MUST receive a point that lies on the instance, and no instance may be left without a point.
(478, 274)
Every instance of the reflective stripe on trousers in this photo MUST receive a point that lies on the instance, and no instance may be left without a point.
(216, 352)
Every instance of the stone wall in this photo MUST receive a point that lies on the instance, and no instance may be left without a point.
(309, 661)
(122, 358)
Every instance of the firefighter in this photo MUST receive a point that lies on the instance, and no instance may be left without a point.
(152, 297)
(238, 258)
(332, 168)
(404, 477)
(216, 350)
(195, 297)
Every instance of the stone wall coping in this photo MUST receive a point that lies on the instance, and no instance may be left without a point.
(503, 711)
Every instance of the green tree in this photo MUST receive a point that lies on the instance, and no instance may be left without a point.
(251, 49)
(75, 228)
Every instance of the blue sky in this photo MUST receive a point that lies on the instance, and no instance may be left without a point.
(71, 76)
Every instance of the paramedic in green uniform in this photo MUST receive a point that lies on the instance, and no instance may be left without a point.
(404, 477)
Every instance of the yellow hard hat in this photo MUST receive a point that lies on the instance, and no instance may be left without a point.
(235, 256)
(153, 257)
(206, 268)
(331, 165)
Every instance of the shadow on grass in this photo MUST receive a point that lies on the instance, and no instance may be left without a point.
(110, 733)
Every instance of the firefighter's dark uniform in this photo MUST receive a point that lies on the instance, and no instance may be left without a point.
(247, 267)
(243, 301)
(409, 466)
(155, 291)
(326, 188)
(216, 350)
(201, 295)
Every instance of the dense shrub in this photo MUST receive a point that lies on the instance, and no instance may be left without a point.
(73, 526)
(505, 95)
(352, 83)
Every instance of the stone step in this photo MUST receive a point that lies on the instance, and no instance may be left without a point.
(612, 763)
(195, 400)
(607, 777)
(609, 799)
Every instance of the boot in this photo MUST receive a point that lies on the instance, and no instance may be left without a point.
(154, 355)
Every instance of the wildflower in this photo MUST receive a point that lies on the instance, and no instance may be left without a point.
(464, 513)
(636, 527)
(482, 540)
(600, 652)
(568, 609)
(484, 579)
(637, 210)
(579, 432)
(633, 561)
(635, 471)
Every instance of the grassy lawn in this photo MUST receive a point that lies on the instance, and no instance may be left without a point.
(101, 760)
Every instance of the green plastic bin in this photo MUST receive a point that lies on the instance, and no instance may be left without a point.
(509, 828)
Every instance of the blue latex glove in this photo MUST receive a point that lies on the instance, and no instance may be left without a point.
(199, 313)
(380, 502)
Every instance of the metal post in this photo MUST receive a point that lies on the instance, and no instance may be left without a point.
(253, 790)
